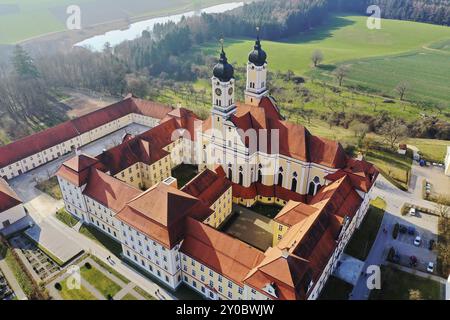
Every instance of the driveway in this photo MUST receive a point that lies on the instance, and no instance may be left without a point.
(440, 183)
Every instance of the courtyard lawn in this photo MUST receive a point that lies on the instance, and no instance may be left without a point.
(269, 211)
(101, 238)
(75, 294)
(364, 237)
(400, 285)
(336, 289)
(110, 270)
(102, 283)
(66, 218)
(184, 173)
(50, 187)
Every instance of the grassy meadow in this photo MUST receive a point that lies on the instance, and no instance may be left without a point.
(378, 59)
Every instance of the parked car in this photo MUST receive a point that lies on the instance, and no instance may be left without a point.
(431, 244)
(417, 241)
(430, 267)
(412, 211)
(402, 229)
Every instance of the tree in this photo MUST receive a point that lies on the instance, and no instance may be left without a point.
(401, 89)
(393, 131)
(340, 73)
(24, 64)
(317, 57)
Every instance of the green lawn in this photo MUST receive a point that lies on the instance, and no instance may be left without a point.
(269, 211)
(75, 294)
(336, 289)
(432, 150)
(144, 293)
(37, 17)
(379, 59)
(343, 37)
(184, 173)
(102, 283)
(110, 270)
(109, 243)
(400, 285)
(392, 165)
(364, 237)
(66, 218)
(128, 296)
(25, 282)
(50, 187)
(425, 70)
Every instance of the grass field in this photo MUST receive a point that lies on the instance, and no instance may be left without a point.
(102, 283)
(26, 19)
(399, 285)
(336, 289)
(343, 37)
(50, 187)
(363, 238)
(378, 59)
(75, 294)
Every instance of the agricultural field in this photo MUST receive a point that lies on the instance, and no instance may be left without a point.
(379, 59)
(25, 19)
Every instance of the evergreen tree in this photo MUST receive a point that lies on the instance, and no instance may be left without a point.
(23, 64)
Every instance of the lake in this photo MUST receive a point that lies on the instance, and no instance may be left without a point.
(134, 31)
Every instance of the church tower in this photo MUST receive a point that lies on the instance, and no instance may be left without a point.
(256, 87)
(222, 92)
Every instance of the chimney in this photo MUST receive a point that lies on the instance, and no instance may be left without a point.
(171, 181)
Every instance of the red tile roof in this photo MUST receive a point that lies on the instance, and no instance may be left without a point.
(361, 173)
(76, 170)
(48, 138)
(294, 140)
(160, 213)
(8, 197)
(207, 186)
(108, 190)
(218, 251)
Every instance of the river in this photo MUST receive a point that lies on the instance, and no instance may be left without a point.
(115, 37)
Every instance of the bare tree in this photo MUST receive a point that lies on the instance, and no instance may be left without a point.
(317, 57)
(401, 89)
(393, 131)
(340, 73)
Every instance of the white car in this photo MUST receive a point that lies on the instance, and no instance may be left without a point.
(412, 211)
(430, 267)
(417, 241)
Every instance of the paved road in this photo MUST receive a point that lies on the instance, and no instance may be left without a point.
(426, 226)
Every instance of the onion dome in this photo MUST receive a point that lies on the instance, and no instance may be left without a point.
(223, 70)
(258, 56)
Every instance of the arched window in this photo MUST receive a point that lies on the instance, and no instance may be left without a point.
(294, 184)
(259, 176)
(241, 176)
(311, 189)
(280, 176)
(230, 172)
(314, 186)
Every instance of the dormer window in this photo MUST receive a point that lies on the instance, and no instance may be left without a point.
(270, 288)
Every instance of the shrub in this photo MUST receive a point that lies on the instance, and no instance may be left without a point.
(58, 286)
(395, 231)
(88, 265)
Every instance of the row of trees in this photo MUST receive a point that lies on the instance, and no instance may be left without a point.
(429, 11)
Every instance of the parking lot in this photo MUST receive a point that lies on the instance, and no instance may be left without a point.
(408, 251)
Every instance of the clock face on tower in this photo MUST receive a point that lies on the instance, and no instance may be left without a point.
(218, 92)
(230, 91)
